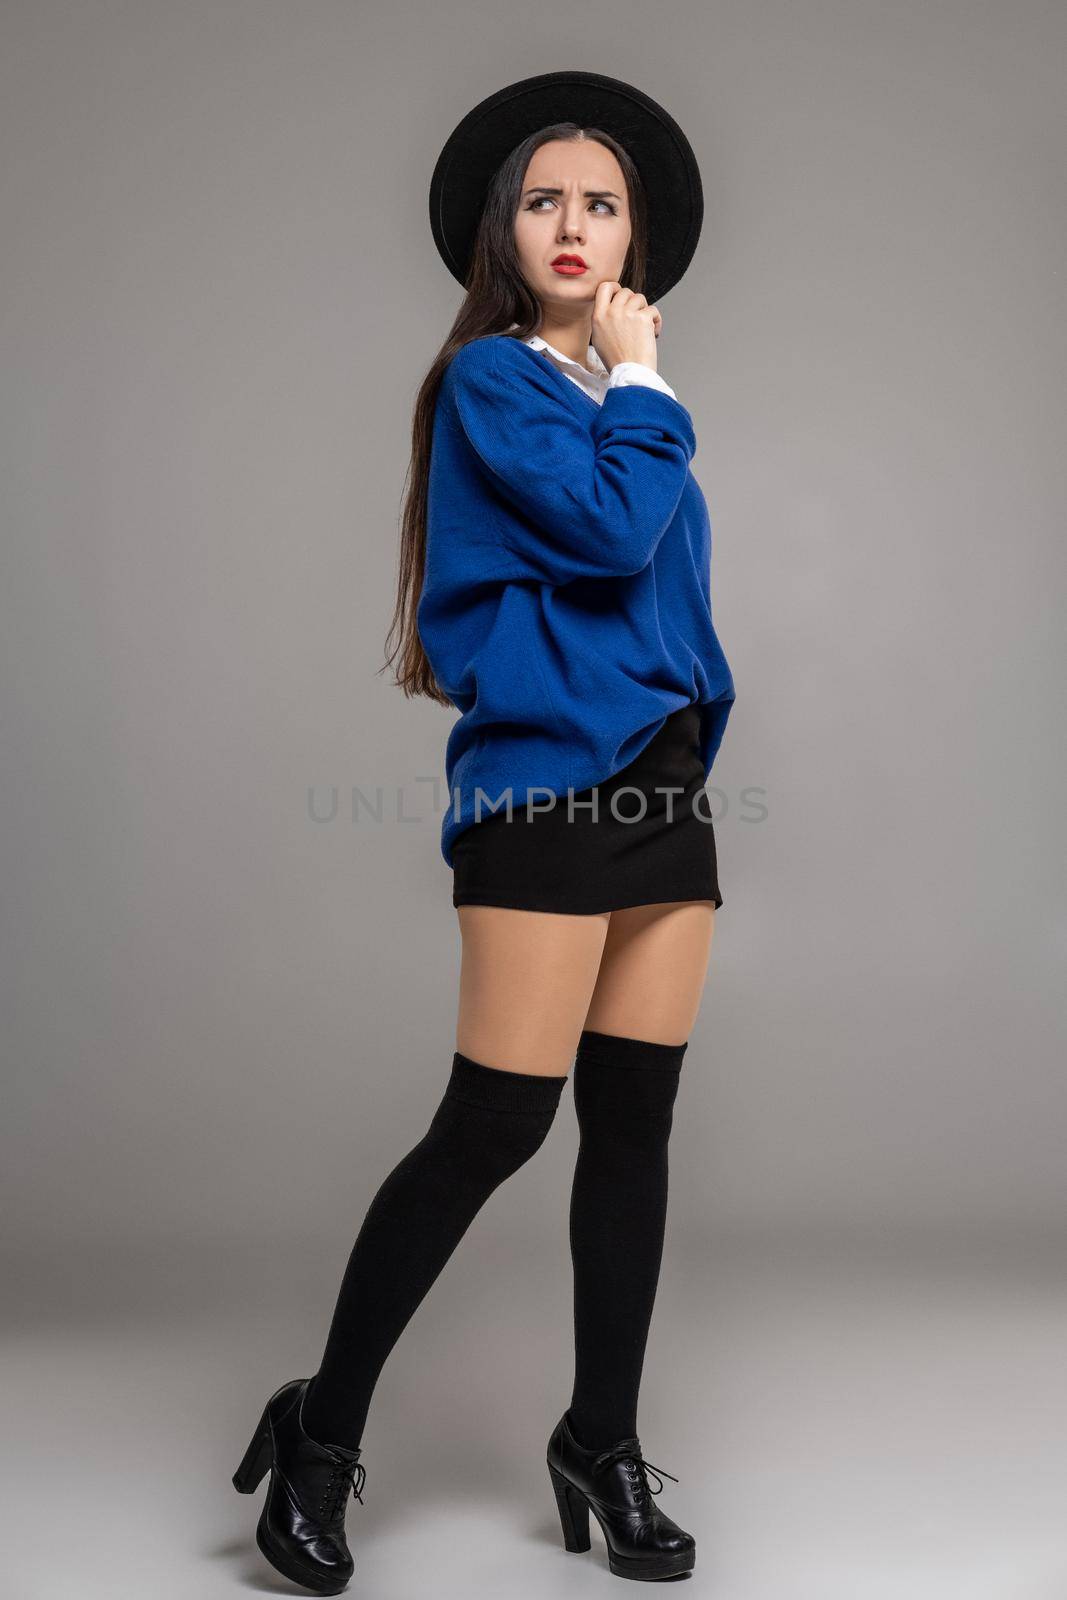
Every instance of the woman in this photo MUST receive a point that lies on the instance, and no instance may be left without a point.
(554, 587)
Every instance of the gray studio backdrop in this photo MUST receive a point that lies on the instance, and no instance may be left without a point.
(229, 1003)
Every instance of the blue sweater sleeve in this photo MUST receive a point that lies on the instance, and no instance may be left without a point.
(588, 499)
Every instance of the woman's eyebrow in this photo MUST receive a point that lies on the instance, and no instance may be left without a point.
(590, 194)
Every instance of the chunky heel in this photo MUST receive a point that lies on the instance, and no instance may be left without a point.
(257, 1459)
(612, 1484)
(573, 1512)
(301, 1529)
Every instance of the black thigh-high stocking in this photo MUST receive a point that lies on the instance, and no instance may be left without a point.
(488, 1124)
(624, 1094)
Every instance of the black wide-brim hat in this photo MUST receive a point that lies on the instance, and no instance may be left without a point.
(659, 149)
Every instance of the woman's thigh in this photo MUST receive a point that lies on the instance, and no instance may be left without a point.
(526, 979)
(652, 971)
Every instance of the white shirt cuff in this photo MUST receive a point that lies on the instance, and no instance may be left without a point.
(637, 372)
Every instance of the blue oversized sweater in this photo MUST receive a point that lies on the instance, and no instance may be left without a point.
(566, 606)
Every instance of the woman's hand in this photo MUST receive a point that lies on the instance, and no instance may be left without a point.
(625, 327)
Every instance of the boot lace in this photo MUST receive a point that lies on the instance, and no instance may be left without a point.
(346, 1477)
(629, 1451)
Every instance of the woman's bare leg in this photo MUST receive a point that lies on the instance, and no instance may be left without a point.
(526, 979)
(653, 969)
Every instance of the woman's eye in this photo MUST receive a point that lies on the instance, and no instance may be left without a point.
(547, 199)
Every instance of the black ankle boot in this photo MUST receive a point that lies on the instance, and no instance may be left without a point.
(301, 1528)
(642, 1540)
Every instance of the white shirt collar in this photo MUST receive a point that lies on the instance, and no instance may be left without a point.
(593, 382)
(593, 360)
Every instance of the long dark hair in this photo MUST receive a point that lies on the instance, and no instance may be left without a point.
(497, 295)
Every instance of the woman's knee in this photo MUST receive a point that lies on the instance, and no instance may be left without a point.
(626, 1087)
(492, 1121)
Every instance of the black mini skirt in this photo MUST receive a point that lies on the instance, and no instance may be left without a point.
(639, 848)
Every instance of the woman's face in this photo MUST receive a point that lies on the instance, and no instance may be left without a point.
(573, 202)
